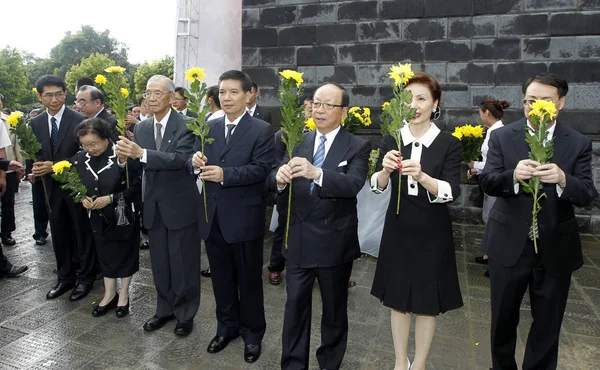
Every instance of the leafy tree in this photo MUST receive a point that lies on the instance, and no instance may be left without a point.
(89, 67)
(14, 84)
(164, 66)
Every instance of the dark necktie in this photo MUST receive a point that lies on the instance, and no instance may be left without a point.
(181, 113)
(159, 136)
(53, 133)
(207, 116)
(319, 158)
(230, 127)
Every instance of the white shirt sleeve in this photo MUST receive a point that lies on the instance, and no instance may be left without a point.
(478, 166)
(559, 191)
(444, 193)
(374, 188)
(144, 158)
(319, 181)
(4, 138)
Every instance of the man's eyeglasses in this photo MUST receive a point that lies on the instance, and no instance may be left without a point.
(156, 94)
(528, 102)
(50, 96)
(327, 106)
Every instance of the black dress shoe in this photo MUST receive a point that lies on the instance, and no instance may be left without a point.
(8, 241)
(59, 289)
(102, 310)
(481, 260)
(80, 291)
(156, 322)
(40, 240)
(184, 327)
(145, 245)
(251, 352)
(13, 271)
(217, 344)
(486, 273)
(122, 311)
(206, 273)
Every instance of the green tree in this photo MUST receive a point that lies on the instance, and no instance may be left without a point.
(89, 67)
(14, 84)
(164, 67)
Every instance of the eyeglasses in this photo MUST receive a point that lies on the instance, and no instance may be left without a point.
(179, 99)
(81, 103)
(327, 106)
(528, 102)
(57, 95)
(90, 146)
(156, 94)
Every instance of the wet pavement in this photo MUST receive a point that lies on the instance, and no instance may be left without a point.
(36, 333)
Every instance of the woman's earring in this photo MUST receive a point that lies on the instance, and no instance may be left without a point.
(437, 113)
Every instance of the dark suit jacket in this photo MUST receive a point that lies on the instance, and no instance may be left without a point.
(112, 121)
(4, 164)
(323, 225)
(169, 187)
(239, 203)
(66, 144)
(262, 113)
(279, 155)
(191, 114)
(510, 218)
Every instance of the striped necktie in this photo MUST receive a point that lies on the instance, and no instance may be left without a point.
(319, 158)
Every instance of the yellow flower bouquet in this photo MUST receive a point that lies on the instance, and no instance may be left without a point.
(471, 138)
(69, 177)
(357, 118)
(30, 146)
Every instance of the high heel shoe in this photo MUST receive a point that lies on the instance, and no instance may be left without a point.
(102, 310)
(122, 311)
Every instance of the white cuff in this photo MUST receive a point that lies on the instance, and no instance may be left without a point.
(516, 188)
(374, 188)
(144, 158)
(281, 189)
(444, 193)
(319, 181)
(122, 165)
(559, 191)
(197, 171)
(478, 166)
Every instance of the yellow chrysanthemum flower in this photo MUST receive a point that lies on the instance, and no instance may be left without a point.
(367, 112)
(401, 73)
(59, 167)
(385, 105)
(288, 74)
(34, 90)
(195, 74)
(124, 92)
(353, 110)
(458, 133)
(115, 69)
(541, 107)
(13, 118)
(310, 123)
(100, 79)
(478, 131)
(367, 121)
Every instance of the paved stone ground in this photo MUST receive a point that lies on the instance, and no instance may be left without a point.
(58, 334)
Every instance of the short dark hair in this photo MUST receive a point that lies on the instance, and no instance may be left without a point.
(94, 125)
(49, 80)
(495, 107)
(84, 81)
(239, 76)
(141, 99)
(254, 86)
(95, 93)
(345, 97)
(181, 91)
(431, 83)
(548, 79)
(213, 92)
(304, 97)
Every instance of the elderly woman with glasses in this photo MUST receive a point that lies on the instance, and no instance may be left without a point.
(110, 210)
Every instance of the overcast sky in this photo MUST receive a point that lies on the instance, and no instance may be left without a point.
(146, 27)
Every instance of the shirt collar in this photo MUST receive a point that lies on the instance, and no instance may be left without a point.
(183, 112)
(165, 119)
(550, 131)
(252, 109)
(235, 121)
(100, 111)
(427, 139)
(330, 136)
(58, 115)
(496, 125)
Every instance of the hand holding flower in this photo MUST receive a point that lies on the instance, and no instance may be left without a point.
(412, 168)
(551, 174)
(87, 203)
(301, 167)
(284, 176)
(199, 160)
(525, 170)
(392, 161)
(42, 168)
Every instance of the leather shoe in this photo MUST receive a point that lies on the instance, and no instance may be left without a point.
(59, 289)
(80, 291)
(217, 344)
(102, 310)
(206, 273)
(13, 271)
(8, 241)
(156, 322)
(122, 311)
(40, 240)
(184, 327)
(275, 277)
(145, 245)
(251, 352)
(486, 273)
(481, 260)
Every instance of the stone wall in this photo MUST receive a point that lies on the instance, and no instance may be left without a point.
(474, 48)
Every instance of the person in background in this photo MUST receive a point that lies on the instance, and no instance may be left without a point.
(180, 103)
(212, 98)
(491, 112)
(90, 100)
(254, 109)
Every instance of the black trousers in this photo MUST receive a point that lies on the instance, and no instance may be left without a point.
(175, 259)
(71, 238)
(548, 296)
(277, 261)
(237, 284)
(40, 210)
(7, 225)
(5, 265)
(333, 283)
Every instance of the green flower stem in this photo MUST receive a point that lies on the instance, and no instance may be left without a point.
(46, 195)
(399, 179)
(204, 186)
(289, 212)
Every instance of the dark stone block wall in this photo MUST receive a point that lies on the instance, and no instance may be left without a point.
(474, 48)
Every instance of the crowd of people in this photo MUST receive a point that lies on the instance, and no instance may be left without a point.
(147, 181)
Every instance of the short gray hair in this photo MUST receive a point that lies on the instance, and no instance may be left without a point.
(166, 80)
(95, 93)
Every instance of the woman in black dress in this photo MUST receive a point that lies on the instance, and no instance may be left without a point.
(110, 210)
(416, 271)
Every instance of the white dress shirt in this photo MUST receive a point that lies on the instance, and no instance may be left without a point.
(478, 166)
(164, 122)
(183, 112)
(444, 189)
(251, 110)
(216, 115)
(58, 117)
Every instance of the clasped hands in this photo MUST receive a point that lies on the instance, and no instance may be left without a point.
(296, 167)
(548, 173)
(98, 203)
(209, 173)
(392, 161)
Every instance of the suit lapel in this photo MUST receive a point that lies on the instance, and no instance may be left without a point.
(305, 150)
(561, 144)
(337, 151)
(239, 131)
(44, 137)
(521, 147)
(65, 126)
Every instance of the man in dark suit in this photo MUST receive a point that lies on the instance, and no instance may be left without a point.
(90, 101)
(71, 236)
(254, 109)
(171, 202)
(328, 169)
(235, 167)
(180, 102)
(513, 264)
